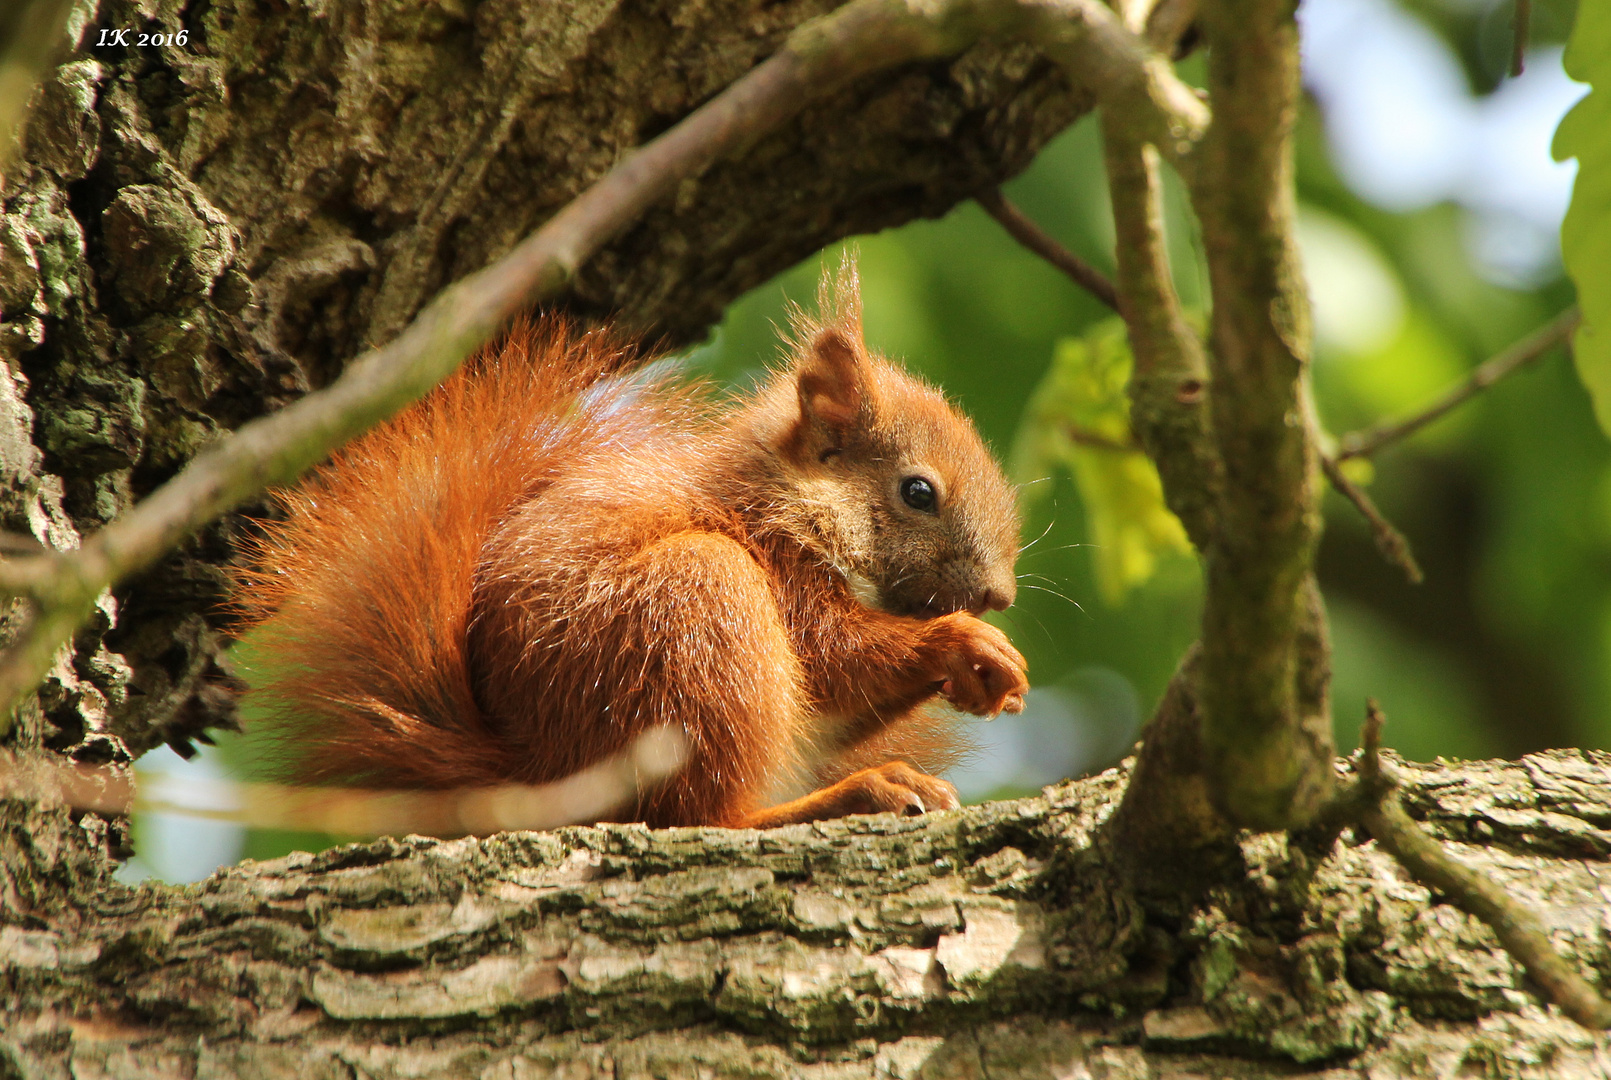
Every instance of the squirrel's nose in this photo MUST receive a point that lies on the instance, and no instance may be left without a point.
(992, 600)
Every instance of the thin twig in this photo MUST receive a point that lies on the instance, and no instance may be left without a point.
(1389, 541)
(1520, 931)
(1036, 239)
(580, 798)
(1529, 349)
(1519, 32)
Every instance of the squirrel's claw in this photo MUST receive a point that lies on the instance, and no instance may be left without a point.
(981, 671)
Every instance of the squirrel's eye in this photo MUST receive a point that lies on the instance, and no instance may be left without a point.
(919, 494)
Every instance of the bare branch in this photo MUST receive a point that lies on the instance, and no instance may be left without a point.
(1036, 239)
(581, 798)
(1168, 386)
(1268, 746)
(1558, 331)
(1518, 929)
(1136, 85)
(1389, 541)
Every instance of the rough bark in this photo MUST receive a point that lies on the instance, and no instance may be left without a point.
(197, 234)
(987, 942)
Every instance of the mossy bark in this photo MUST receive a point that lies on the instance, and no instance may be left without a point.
(995, 941)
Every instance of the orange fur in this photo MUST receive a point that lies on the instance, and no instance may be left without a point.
(548, 556)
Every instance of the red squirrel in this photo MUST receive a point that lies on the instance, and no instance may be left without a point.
(555, 551)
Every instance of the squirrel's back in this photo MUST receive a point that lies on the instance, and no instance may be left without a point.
(361, 596)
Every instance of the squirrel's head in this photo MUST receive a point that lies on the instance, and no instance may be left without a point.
(887, 479)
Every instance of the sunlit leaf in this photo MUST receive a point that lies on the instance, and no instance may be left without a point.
(1079, 421)
(1585, 134)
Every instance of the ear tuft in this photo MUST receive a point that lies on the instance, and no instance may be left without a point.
(839, 297)
(831, 391)
(830, 369)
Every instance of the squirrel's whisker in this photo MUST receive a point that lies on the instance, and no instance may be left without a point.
(1059, 595)
(1039, 538)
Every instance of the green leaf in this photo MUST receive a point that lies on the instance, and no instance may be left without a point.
(1585, 133)
(1078, 421)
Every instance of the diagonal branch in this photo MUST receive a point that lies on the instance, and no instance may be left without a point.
(1389, 541)
(1516, 927)
(1019, 226)
(1558, 331)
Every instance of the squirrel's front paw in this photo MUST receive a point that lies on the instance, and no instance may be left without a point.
(980, 671)
(895, 787)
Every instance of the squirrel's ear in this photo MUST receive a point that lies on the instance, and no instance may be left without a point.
(833, 391)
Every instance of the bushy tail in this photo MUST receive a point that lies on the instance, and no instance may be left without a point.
(355, 605)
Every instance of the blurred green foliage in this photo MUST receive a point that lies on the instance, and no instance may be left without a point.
(1078, 422)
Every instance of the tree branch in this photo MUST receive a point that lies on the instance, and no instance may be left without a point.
(1558, 331)
(1036, 239)
(1516, 927)
(1168, 385)
(1168, 24)
(1389, 541)
(1269, 752)
(1134, 83)
(582, 798)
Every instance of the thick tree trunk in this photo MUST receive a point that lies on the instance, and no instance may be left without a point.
(995, 941)
(201, 232)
